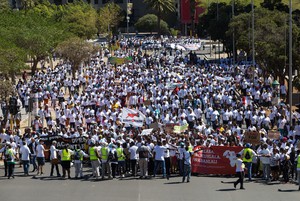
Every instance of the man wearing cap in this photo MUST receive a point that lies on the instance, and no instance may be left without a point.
(247, 156)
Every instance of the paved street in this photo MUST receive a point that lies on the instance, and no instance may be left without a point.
(200, 188)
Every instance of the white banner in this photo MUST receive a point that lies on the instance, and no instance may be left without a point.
(132, 117)
(147, 131)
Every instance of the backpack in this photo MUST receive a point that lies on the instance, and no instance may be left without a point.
(111, 156)
(77, 155)
(247, 155)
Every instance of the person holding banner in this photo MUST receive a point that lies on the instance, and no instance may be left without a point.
(239, 171)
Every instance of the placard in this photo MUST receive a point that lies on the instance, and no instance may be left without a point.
(252, 137)
(274, 135)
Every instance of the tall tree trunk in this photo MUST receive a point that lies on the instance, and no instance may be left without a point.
(34, 66)
(158, 22)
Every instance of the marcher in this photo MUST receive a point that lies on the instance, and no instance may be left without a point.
(11, 158)
(247, 155)
(159, 152)
(66, 154)
(187, 164)
(94, 158)
(105, 165)
(25, 157)
(40, 157)
(239, 171)
(78, 158)
(144, 154)
(298, 168)
(121, 160)
(54, 159)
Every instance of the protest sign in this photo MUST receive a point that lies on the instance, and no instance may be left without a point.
(274, 135)
(252, 137)
(215, 160)
(147, 131)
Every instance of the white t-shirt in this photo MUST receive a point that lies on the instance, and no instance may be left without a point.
(24, 150)
(40, 151)
(133, 154)
(159, 153)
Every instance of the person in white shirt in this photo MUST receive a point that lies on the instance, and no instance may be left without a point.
(265, 159)
(40, 156)
(239, 169)
(54, 159)
(133, 158)
(187, 163)
(159, 158)
(25, 152)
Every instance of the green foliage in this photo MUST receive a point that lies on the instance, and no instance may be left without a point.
(109, 17)
(80, 18)
(161, 7)
(76, 50)
(270, 39)
(148, 23)
(4, 6)
(174, 32)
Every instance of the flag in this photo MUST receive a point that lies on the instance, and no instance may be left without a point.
(185, 11)
(246, 100)
(132, 117)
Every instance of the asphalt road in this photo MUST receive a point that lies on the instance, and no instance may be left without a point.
(130, 189)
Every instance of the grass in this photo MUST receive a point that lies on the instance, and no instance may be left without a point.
(295, 3)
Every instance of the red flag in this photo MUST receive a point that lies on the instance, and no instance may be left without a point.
(185, 11)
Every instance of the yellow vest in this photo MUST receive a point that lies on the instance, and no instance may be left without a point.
(66, 155)
(93, 156)
(104, 153)
(120, 154)
(250, 153)
(298, 162)
(190, 149)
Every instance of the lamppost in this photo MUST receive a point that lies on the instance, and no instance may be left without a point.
(290, 60)
(233, 37)
(253, 46)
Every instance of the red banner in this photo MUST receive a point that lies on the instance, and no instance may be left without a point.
(198, 11)
(215, 160)
(185, 10)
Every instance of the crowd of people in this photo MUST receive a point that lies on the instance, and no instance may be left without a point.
(218, 101)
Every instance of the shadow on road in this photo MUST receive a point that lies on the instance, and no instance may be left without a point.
(288, 190)
(174, 182)
(226, 189)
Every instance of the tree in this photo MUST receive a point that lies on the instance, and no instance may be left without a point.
(270, 37)
(161, 7)
(109, 16)
(148, 23)
(4, 6)
(76, 51)
(38, 36)
(80, 18)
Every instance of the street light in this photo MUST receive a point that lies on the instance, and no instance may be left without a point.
(233, 37)
(253, 46)
(290, 60)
